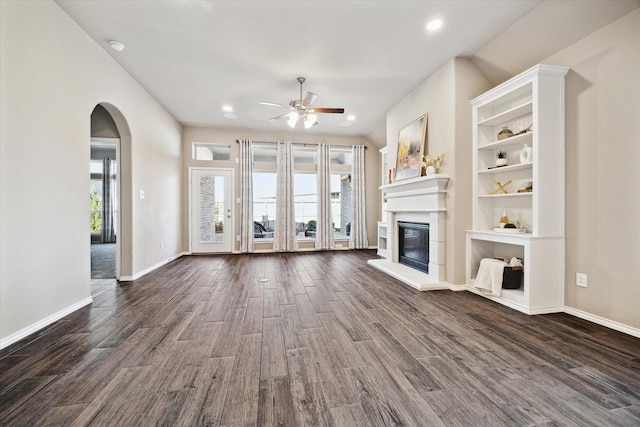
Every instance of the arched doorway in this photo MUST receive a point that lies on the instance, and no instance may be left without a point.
(111, 147)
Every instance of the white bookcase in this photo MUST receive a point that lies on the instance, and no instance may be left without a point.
(533, 100)
(382, 224)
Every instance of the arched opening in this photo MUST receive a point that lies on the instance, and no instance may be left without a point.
(111, 224)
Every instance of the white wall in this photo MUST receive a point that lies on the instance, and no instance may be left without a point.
(52, 75)
(229, 136)
(445, 96)
(602, 173)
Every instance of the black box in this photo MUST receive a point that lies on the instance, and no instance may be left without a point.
(512, 277)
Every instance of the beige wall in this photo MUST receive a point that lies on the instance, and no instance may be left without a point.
(602, 173)
(445, 96)
(52, 75)
(602, 147)
(229, 136)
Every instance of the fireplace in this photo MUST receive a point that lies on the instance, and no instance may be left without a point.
(416, 256)
(413, 245)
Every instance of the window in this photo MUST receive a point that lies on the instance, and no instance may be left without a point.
(341, 156)
(95, 196)
(211, 151)
(305, 190)
(264, 204)
(305, 196)
(341, 204)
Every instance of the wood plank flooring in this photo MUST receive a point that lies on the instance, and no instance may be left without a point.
(327, 340)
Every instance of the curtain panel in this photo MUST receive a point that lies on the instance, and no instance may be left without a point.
(108, 200)
(285, 234)
(324, 228)
(358, 238)
(246, 192)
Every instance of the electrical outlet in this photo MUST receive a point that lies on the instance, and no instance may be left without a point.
(581, 280)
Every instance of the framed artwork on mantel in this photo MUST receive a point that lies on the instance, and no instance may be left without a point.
(412, 141)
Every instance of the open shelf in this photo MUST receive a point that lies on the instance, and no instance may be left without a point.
(533, 100)
(513, 113)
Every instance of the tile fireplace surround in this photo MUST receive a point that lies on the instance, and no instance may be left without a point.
(419, 200)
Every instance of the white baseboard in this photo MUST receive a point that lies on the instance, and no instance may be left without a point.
(612, 324)
(148, 270)
(23, 333)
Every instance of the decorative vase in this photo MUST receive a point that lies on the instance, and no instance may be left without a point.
(431, 170)
(526, 154)
(501, 161)
(504, 219)
(504, 133)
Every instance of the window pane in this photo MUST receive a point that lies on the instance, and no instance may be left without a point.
(210, 151)
(264, 204)
(305, 190)
(341, 157)
(211, 209)
(341, 204)
(304, 155)
(95, 201)
(265, 153)
(95, 167)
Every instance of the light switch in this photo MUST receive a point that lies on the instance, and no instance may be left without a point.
(141, 194)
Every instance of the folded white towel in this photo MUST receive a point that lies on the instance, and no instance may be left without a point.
(489, 276)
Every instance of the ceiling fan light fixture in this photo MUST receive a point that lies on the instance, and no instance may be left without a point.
(293, 119)
(310, 120)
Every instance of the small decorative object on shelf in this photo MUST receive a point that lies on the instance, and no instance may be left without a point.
(431, 164)
(524, 130)
(508, 226)
(501, 158)
(527, 187)
(504, 133)
(501, 189)
(504, 219)
(526, 154)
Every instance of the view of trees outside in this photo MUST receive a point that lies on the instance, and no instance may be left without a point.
(95, 200)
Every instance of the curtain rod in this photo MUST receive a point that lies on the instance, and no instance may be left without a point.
(304, 144)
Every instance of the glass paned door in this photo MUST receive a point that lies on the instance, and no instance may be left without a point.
(211, 211)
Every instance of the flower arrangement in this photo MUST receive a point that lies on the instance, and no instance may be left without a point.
(431, 164)
(435, 161)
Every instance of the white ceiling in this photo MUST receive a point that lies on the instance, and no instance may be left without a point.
(363, 56)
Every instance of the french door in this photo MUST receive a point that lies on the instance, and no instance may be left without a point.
(211, 210)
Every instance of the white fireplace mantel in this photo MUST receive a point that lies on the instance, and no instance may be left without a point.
(417, 200)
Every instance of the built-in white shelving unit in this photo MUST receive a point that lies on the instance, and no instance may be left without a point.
(532, 101)
(382, 225)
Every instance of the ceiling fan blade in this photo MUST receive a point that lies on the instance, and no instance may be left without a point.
(327, 110)
(281, 116)
(273, 104)
(308, 99)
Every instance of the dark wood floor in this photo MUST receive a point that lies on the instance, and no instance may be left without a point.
(326, 341)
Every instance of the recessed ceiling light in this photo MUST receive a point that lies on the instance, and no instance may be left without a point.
(230, 115)
(434, 24)
(227, 108)
(117, 46)
(351, 117)
(346, 123)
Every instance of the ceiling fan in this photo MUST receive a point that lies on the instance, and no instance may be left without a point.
(301, 109)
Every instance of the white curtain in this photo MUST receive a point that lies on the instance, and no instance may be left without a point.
(108, 200)
(285, 234)
(358, 238)
(324, 227)
(246, 191)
